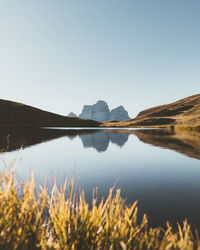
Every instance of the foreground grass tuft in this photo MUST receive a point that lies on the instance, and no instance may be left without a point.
(31, 219)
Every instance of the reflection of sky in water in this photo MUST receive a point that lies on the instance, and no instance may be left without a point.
(166, 183)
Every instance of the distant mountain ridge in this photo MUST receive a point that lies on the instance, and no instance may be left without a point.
(100, 112)
(13, 114)
(185, 112)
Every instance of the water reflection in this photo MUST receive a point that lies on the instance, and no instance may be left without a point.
(100, 140)
(187, 143)
(15, 138)
(184, 142)
(165, 184)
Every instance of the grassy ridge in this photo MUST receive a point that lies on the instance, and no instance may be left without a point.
(31, 219)
(16, 115)
(184, 112)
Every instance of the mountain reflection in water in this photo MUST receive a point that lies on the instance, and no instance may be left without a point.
(100, 140)
(165, 183)
(185, 142)
(16, 138)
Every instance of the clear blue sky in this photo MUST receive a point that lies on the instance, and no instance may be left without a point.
(60, 54)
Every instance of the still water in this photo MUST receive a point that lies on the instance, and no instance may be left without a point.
(160, 169)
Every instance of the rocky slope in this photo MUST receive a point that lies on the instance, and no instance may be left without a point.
(119, 114)
(100, 112)
(13, 114)
(97, 112)
(185, 112)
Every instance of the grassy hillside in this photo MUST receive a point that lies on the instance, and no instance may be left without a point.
(185, 112)
(13, 114)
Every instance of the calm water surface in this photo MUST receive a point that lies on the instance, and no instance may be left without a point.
(159, 169)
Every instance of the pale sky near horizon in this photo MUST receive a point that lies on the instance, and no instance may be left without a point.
(60, 55)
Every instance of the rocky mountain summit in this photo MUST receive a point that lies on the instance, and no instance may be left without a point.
(119, 113)
(71, 114)
(100, 112)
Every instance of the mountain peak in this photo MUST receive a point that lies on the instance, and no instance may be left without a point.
(100, 112)
(101, 102)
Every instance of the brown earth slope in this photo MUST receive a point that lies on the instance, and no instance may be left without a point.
(13, 114)
(185, 112)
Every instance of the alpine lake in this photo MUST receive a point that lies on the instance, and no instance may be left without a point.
(159, 168)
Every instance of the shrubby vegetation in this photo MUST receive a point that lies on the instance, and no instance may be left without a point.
(33, 219)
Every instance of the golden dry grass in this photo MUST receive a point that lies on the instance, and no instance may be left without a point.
(184, 112)
(32, 219)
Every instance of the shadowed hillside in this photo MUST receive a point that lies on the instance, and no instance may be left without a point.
(185, 112)
(13, 114)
